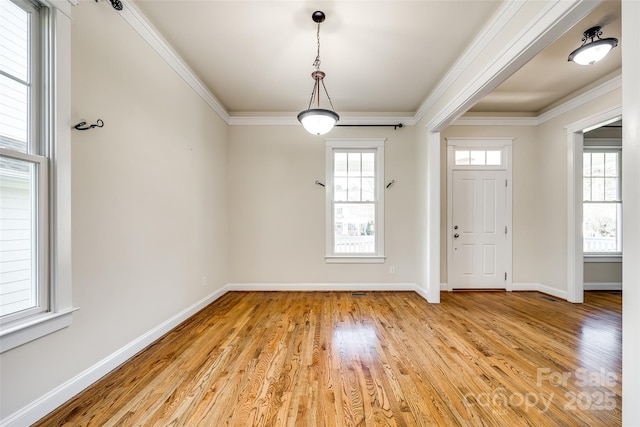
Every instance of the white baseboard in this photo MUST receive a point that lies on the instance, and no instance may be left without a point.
(525, 286)
(61, 394)
(319, 287)
(56, 397)
(539, 287)
(552, 291)
(422, 292)
(603, 286)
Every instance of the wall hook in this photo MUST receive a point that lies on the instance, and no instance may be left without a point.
(319, 183)
(84, 126)
(393, 181)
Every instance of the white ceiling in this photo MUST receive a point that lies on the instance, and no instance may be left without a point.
(549, 77)
(381, 57)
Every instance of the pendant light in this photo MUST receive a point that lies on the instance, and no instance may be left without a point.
(595, 50)
(318, 121)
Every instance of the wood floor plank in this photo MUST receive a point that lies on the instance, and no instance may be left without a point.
(373, 359)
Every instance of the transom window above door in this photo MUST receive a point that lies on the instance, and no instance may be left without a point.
(465, 157)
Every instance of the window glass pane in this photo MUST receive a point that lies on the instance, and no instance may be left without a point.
(13, 115)
(601, 227)
(14, 41)
(597, 164)
(494, 157)
(597, 189)
(368, 164)
(368, 188)
(353, 194)
(477, 157)
(586, 164)
(354, 164)
(586, 189)
(357, 231)
(611, 164)
(611, 189)
(340, 189)
(462, 157)
(18, 290)
(340, 164)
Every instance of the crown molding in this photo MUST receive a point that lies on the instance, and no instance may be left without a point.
(263, 120)
(584, 98)
(506, 12)
(554, 19)
(495, 121)
(573, 103)
(293, 121)
(139, 23)
(378, 120)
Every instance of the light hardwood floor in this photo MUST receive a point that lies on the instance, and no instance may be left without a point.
(384, 358)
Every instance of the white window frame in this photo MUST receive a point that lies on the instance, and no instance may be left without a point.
(592, 145)
(54, 132)
(371, 144)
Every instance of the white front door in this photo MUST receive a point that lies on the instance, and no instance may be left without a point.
(478, 230)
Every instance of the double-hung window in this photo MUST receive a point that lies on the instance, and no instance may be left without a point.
(23, 165)
(602, 206)
(35, 273)
(355, 200)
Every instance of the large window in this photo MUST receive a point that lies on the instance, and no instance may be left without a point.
(35, 184)
(602, 208)
(355, 200)
(23, 165)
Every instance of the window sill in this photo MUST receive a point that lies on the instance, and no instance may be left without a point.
(603, 258)
(12, 336)
(354, 259)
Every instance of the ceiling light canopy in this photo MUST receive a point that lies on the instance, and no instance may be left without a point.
(595, 50)
(318, 121)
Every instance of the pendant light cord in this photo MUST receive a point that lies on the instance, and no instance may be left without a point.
(316, 86)
(316, 63)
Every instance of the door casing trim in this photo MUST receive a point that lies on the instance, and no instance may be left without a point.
(505, 143)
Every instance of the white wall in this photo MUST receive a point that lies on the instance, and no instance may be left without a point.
(148, 205)
(631, 209)
(603, 272)
(539, 193)
(277, 212)
(150, 196)
(526, 28)
(552, 190)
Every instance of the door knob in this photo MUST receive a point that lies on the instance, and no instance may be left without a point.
(456, 235)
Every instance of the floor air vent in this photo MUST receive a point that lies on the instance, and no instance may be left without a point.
(358, 294)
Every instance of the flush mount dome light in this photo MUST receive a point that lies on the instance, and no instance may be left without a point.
(318, 121)
(595, 50)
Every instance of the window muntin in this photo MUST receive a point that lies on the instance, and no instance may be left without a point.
(602, 197)
(355, 200)
(24, 186)
(489, 157)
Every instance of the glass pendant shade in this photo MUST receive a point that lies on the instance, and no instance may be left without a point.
(318, 121)
(590, 53)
